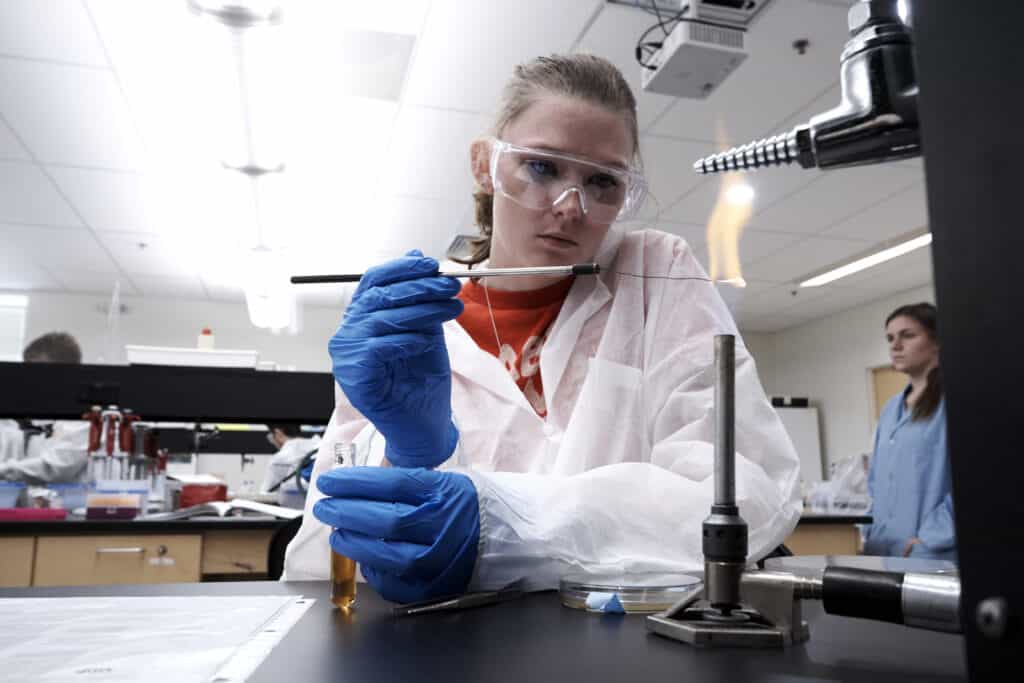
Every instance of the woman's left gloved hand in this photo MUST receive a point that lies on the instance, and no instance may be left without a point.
(413, 531)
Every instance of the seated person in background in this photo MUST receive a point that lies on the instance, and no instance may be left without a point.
(292, 450)
(60, 457)
(909, 477)
(53, 347)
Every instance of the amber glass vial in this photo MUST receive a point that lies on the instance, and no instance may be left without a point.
(343, 581)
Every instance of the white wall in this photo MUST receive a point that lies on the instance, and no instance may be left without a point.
(829, 361)
(171, 322)
(759, 344)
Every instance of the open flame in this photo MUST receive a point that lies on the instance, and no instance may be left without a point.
(730, 215)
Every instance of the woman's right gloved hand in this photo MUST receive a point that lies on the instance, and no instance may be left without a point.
(390, 358)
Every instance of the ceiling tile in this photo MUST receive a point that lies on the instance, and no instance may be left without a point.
(834, 196)
(68, 114)
(87, 281)
(59, 249)
(57, 30)
(694, 234)
(107, 200)
(802, 258)
(159, 257)
(916, 164)
(223, 292)
(772, 82)
(755, 245)
(896, 216)
(425, 224)
(777, 299)
(825, 100)
(10, 148)
(28, 196)
(613, 35)
(835, 301)
(770, 185)
(430, 151)
(17, 273)
(171, 287)
(349, 156)
(667, 166)
(467, 53)
(405, 17)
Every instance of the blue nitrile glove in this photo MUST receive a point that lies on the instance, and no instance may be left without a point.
(390, 359)
(307, 471)
(413, 531)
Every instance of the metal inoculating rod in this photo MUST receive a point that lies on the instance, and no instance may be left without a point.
(548, 271)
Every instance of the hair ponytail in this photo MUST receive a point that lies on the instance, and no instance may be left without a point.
(929, 400)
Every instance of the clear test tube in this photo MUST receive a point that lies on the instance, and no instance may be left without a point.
(343, 569)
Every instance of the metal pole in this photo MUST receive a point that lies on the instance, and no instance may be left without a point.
(725, 419)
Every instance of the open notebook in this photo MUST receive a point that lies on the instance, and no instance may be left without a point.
(223, 509)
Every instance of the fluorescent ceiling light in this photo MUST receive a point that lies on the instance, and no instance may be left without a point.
(870, 260)
(14, 300)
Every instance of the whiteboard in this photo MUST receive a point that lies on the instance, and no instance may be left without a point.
(802, 426)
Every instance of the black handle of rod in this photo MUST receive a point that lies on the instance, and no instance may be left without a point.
(316, 279)
(586, 269)
(863, 593)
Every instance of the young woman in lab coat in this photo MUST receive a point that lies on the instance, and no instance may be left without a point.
(570, 420)
(909, 477)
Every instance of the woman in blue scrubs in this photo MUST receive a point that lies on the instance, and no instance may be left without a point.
(909, 478)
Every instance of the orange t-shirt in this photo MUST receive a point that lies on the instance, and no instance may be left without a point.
(522, 320)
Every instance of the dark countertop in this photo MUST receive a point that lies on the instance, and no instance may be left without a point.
(185, 526)
(824, 518)
(120, 526)
(536, 639)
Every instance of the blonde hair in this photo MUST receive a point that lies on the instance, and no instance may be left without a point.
(587, 77)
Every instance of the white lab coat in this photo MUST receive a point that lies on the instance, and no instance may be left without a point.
(62, 457)
(618, 477)
(12, 441)
(284, 462)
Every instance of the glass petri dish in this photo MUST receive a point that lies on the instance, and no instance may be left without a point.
(635, 593)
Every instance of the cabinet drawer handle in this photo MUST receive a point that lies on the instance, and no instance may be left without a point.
(120, 550)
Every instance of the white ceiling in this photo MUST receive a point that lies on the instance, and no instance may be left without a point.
(96, 118)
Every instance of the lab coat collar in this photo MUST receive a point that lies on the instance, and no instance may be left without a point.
(475, 364)
(585, 298)
(480, 367)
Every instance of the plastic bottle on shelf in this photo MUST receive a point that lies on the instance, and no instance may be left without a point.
(205, 339)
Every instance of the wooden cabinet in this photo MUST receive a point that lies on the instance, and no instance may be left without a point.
(92, 560)
(16, 557)
(236, 552)
(824, 539)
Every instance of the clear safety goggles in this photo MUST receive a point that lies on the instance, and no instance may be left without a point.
(541, 179)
